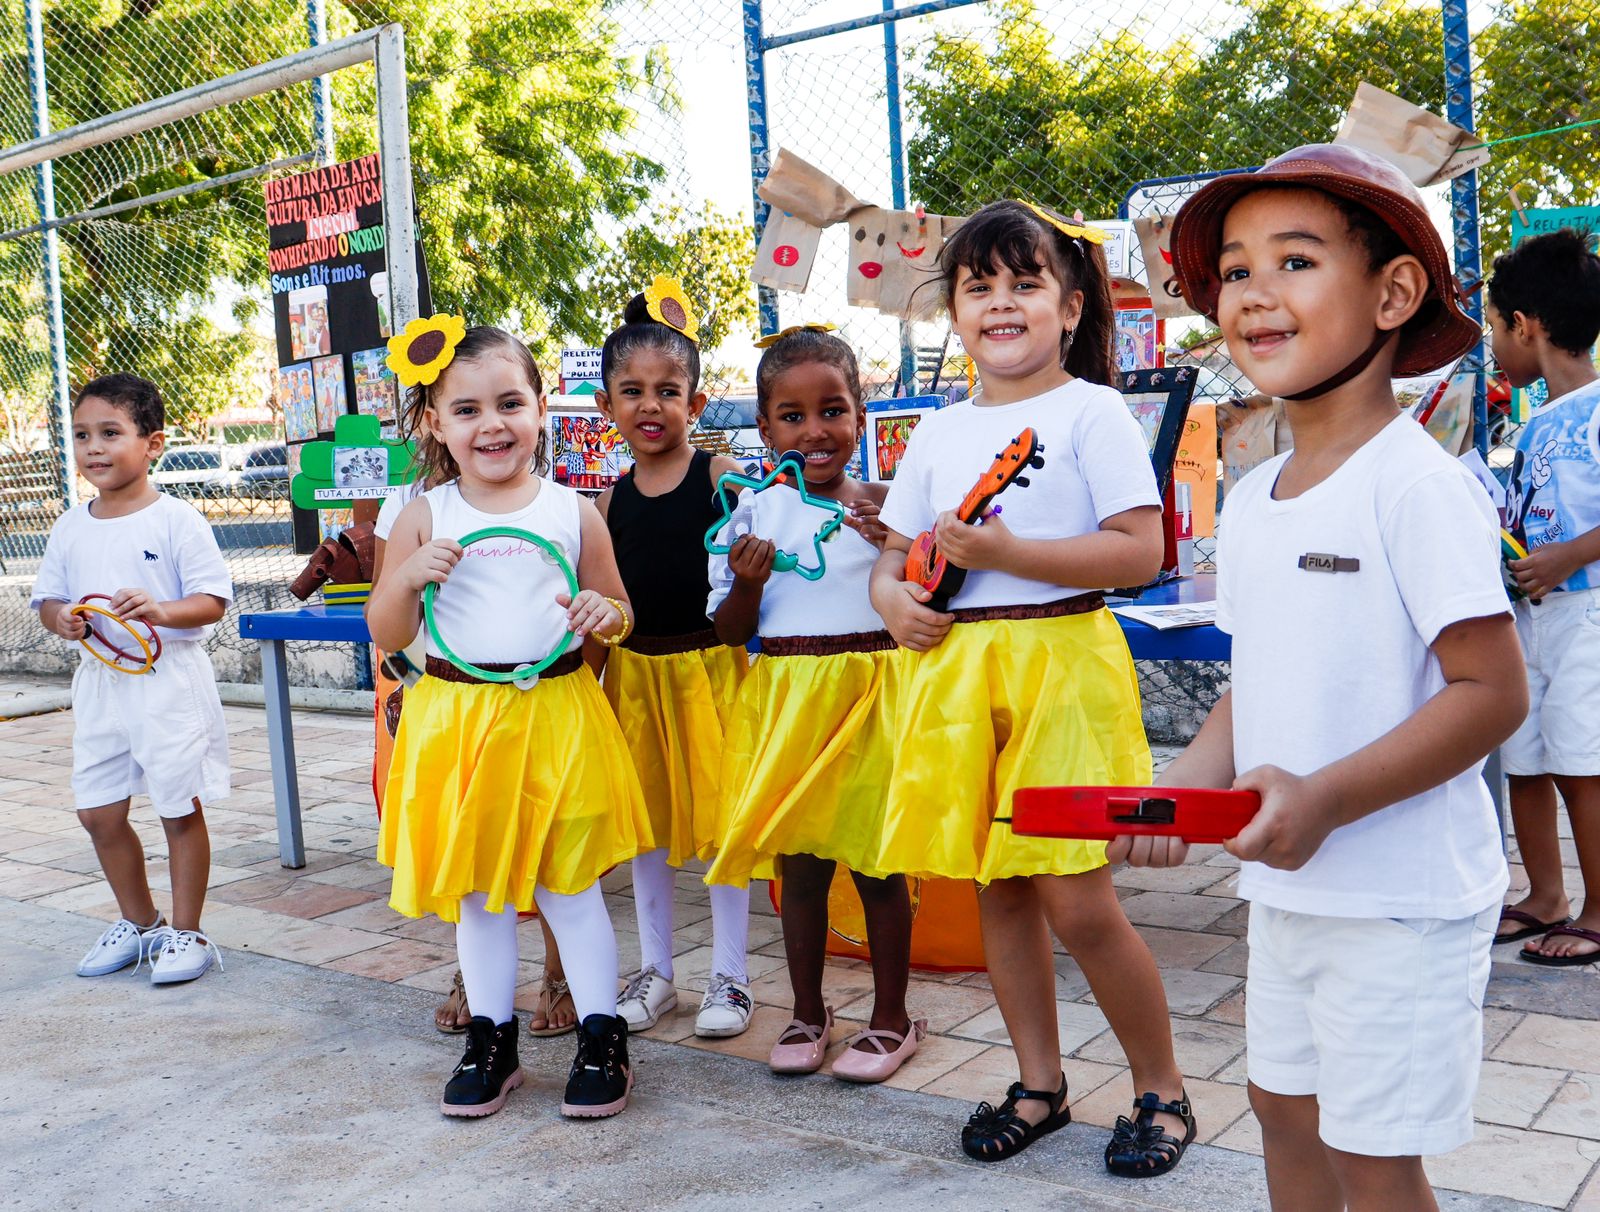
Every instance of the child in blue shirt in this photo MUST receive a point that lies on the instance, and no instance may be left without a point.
(1544, 304)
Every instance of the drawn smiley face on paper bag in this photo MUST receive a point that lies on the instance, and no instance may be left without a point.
(868, 237)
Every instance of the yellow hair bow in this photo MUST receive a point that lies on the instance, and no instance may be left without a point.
(666, 303)
(1078, 231)
(772, 339)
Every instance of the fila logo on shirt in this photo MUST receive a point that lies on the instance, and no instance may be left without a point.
(1318, 561)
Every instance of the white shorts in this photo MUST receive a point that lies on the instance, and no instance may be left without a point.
(1561, 645)
(160, 733)
(1380, 1018)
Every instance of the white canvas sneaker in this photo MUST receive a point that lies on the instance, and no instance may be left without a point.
(184, 956)
(648, 996)
(123, 943)
(725, 1009)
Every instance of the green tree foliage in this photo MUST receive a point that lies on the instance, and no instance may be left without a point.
(521, 128)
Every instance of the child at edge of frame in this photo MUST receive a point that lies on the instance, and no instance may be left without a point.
(160, 732)
(1544, 310)
(1373, 868)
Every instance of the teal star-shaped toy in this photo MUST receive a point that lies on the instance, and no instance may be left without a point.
(357, 465)
(791, 465)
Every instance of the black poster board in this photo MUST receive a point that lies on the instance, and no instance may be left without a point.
(326, 250)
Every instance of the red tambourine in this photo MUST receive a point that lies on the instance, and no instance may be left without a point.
(1102, 813)
(148, 660)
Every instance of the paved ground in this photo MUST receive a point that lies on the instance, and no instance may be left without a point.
(309, 1070)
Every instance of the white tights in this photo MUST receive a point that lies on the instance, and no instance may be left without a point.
(486, 945)
(653, 881)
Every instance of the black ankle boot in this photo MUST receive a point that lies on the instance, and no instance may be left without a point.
(488, 1072)
(601, 1075)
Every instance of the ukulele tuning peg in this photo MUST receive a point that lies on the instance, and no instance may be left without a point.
(1036, 462)
(1021, 481)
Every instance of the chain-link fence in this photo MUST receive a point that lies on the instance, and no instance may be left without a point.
(565, 150)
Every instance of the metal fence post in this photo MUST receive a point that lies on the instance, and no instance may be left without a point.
(1464, 202)
(44, 190)
(897, 176)
(394, 159)
(321, 88)
(755, 72)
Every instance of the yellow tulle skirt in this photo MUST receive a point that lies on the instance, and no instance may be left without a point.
(674, 711)
(494, 789)
(1000, 705)
(810, 751)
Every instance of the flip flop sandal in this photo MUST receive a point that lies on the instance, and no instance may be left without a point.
(1531, 925)
(551, 994)
(1566, 961)
(454, 1007)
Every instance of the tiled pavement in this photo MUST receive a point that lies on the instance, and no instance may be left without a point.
(1538, 1108)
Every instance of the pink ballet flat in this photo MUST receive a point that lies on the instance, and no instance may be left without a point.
(856, 1065)
(808, 1046)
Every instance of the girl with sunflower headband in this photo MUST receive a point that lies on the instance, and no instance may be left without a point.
(671, 683)
(504, 789)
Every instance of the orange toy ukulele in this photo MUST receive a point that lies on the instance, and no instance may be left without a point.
(925, 566)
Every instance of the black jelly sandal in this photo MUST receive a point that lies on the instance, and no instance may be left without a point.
(1140, 1147)
(996, 1133)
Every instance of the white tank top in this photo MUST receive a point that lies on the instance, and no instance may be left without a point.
(499, 604)
(835, 604)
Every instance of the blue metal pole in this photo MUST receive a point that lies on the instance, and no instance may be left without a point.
(321, 88)
(889, 14)
(44, 193)
(1464, 200)
(755, 71)
(897, 176)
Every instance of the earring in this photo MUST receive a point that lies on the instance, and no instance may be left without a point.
(1066, 345)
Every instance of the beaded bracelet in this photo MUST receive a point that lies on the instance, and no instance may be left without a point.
(612, 641)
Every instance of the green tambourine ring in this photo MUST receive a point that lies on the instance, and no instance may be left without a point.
(522, 673)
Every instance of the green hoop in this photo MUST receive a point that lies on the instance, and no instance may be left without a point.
(527, 674)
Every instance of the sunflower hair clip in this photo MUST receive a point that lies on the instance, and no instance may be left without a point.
(1076, 231)
(772, 338)
(666, 303)
(425, 348)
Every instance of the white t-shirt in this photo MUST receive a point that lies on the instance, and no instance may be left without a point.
(1096, 464)
(1326, 662)
(835, 604)
(498, 605)
(166, 548)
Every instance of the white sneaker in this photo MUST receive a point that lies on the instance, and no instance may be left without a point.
(123, 943)
(184, 955)
(648, 996)
(725, 1009)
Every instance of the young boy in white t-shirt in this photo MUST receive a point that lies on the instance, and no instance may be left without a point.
(1544, 306)
(1375, 665)
(160, 732)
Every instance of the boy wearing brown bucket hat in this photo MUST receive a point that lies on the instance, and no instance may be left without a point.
(1375, 665)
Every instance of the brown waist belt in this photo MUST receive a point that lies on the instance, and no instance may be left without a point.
(438, 667)
(826, 645)
(1081, 603)
(667, 645)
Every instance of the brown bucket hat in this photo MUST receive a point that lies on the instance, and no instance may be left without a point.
(1440, 331)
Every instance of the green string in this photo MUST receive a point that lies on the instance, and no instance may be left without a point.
(1554, 130)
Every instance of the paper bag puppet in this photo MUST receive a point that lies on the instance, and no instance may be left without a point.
(910, 287)
(869, 254)
(1155, 246)
(805, 191)
(787, 251)
(1423, 145)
